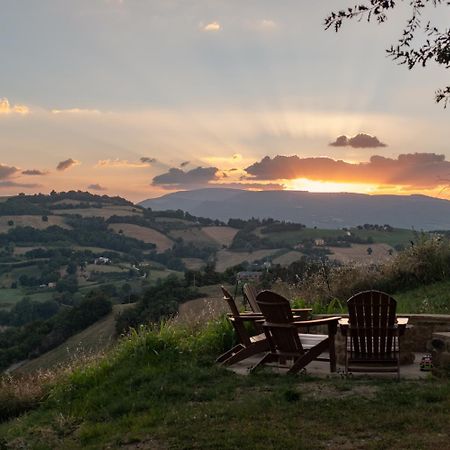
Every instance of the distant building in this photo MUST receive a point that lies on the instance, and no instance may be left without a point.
(319, 242)
(102, 260)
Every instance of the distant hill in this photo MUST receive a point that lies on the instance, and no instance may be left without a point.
(323, 210)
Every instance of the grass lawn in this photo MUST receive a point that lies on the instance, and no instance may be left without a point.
(9, 297)
(163, 390)
(162, 274)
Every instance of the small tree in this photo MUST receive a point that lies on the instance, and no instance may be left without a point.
(126, 290)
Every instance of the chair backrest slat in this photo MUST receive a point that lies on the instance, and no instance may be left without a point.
(376, 306)
(281, 333)
(238, 324)
(250, 294)
(372, 323)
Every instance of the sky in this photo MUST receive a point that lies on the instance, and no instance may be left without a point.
(140, 98)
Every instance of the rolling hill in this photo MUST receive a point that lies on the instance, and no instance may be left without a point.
(335, 210)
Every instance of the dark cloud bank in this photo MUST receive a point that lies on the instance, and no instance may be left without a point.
(66, 164)
(421, 170)
(361, 140)
(179, 178)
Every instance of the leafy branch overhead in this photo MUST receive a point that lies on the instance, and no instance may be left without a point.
(420, 43)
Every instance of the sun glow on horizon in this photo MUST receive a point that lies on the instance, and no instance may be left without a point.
(304, 184)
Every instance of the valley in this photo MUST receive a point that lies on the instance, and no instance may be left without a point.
(60, 250)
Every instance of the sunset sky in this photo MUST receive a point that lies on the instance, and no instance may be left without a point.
(139, 98)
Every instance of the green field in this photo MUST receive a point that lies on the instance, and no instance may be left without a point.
(398, 236)
(9, 297)
(161, 274)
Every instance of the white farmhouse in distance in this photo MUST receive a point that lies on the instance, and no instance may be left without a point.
(102, 260)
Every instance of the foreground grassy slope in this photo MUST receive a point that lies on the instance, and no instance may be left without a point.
(163, 390)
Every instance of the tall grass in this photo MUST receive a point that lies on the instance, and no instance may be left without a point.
(325, 290)
(161, 345)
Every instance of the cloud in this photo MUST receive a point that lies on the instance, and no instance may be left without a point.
(75, 111)
(120, 163)
(261, 25)
(96, 187)
(361, 140)
(33, 172)
(267, 24)
(7, 108)
(178, 178)
(147, 160)
(7, 171)
(212, 27)
(184, 163)
(10, 183)
(67, 164)
(424, 170)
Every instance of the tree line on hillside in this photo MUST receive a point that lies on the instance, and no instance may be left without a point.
(41, 204)
(86, 232)
(40, 336)
(157, 303)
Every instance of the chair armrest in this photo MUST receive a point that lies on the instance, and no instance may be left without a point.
(247, 314)
(315, 322)
(256, 319)
(331, 322)
(278, 325)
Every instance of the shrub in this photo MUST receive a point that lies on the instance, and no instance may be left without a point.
(425, 262)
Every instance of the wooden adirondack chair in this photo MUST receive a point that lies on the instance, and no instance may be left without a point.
(372, 334)
(286, 343)
(248, 345)
(250, 294)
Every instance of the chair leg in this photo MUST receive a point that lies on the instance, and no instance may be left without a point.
(346, 357)
(228, 354)
(245, 352)
(332, 350)
(305, 359)
(301, 362)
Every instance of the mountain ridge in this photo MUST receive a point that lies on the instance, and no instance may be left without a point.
(324, 210)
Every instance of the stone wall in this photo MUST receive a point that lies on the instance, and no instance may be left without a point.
(417, 337)
(441, 353)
